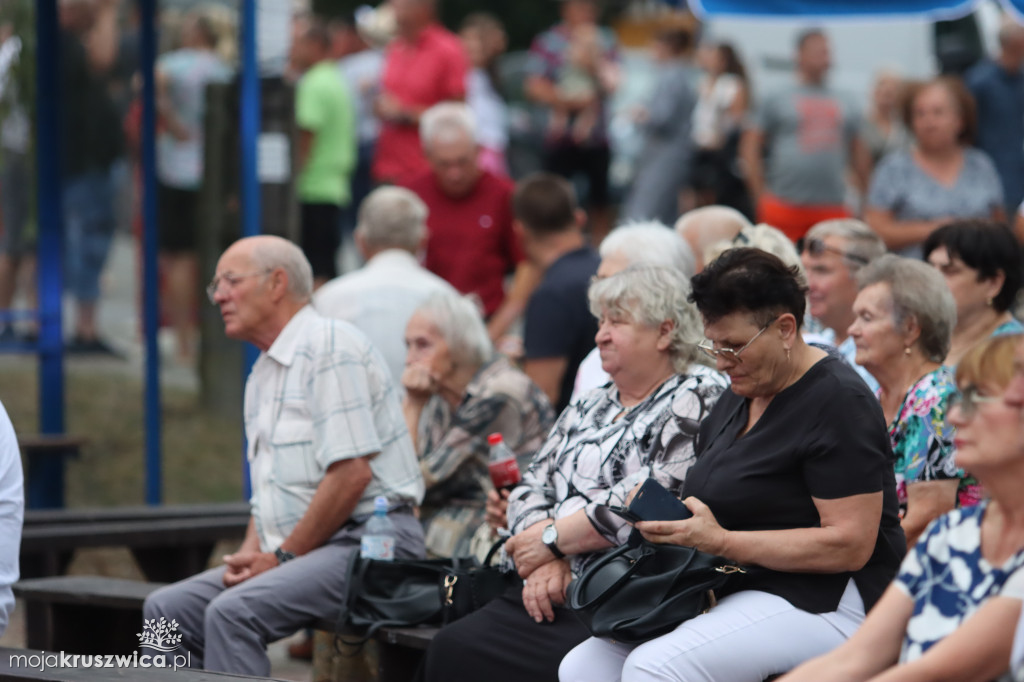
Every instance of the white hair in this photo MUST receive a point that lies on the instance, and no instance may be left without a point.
(650, 243)
(763, 237)
(458, 321)
(447, 121)
(392, 218)
(650, 296)
(270, 252)
(918, 291)
(708, 225)
(861, 241)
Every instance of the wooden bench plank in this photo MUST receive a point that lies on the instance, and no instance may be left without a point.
(138, 533)
(135, 513)
(85, 589)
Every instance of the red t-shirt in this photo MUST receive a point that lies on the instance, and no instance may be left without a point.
(471, 243)
(419, 74)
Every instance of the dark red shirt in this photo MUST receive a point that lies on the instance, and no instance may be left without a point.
(418, 74)
(471, 243)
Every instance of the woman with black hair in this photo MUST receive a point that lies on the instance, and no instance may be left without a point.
(793, 480)
(981, 262)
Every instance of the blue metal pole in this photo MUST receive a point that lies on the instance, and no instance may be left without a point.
(46, 476)
(249, 124)
(50, 209)
(150, 285)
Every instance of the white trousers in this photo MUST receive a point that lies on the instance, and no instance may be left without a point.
(745, 638)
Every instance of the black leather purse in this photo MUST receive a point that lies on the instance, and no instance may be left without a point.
(641, 590)
(412, 592)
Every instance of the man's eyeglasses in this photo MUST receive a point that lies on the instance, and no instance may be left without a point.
(968, 400)
(230, 280)
(817, 247)
(730, 354)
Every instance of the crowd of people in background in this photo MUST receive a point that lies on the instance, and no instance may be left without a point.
(801, 319)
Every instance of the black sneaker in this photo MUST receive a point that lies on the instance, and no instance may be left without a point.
(79, 346)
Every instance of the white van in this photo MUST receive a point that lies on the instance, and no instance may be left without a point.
(860, 48)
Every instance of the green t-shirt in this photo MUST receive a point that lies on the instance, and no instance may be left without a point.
(323, 106)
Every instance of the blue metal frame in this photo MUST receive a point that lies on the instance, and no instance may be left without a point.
(150, 279)
(50, 203)
(249, 124)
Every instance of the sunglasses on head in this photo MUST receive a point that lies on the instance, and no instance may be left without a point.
(817, 247)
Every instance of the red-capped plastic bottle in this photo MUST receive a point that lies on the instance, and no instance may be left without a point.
(502, 464)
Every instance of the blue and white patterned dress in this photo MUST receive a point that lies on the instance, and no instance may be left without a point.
(948, 579)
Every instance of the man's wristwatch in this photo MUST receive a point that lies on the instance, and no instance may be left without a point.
(283, 555)
(550, 538)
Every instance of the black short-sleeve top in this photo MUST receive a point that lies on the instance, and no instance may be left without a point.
(824, 437)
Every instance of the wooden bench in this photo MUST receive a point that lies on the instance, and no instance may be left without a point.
(83, 614)
(168, 542)
(45, 457)
(91, 614)
(394, 654)
(25, 664)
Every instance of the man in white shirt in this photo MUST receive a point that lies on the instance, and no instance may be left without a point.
(834, 251)
(12, 511)
(325, 437)
(380, 297)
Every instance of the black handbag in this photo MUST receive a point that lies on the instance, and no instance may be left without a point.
(412, 592)
(641, 590)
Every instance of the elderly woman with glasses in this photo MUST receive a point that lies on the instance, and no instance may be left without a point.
(608, 441)
(981, 261)
(793, 479)
(949, 615)
(904, 316)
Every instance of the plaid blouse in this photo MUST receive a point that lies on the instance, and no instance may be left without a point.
(453, 449)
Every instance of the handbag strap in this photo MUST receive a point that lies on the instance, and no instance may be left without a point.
(494, 551)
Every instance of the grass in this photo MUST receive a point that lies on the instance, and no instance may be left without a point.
(202, 456)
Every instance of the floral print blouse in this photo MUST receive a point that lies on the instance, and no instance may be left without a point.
(948, 579)
(922, 438)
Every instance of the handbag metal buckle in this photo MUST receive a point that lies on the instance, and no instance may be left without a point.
(449, 587)
(729, 570)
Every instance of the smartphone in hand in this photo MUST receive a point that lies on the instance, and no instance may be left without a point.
(653, 502)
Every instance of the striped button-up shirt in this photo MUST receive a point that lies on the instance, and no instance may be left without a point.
(320, 394)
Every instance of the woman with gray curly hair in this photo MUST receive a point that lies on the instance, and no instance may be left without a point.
(904, 319)
(640, 425)
(459, 392)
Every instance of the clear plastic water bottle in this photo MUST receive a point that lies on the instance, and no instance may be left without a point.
(502, 464)
(379, 538)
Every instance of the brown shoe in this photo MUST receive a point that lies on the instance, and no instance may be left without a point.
(303, 650)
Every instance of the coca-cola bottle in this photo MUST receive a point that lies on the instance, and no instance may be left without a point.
(502, 464)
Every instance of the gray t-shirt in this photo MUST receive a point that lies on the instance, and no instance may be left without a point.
(899, 185)
(808, 132)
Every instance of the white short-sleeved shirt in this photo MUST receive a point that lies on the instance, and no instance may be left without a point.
(379, 299)
(12, 511)
(320, 394)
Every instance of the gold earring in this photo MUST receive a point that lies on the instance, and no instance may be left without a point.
(906, 351)
(787, 354)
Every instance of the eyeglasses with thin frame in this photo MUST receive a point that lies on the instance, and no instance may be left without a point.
(231, 280)
(970, 398)
(817, 247)
(729, 353)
